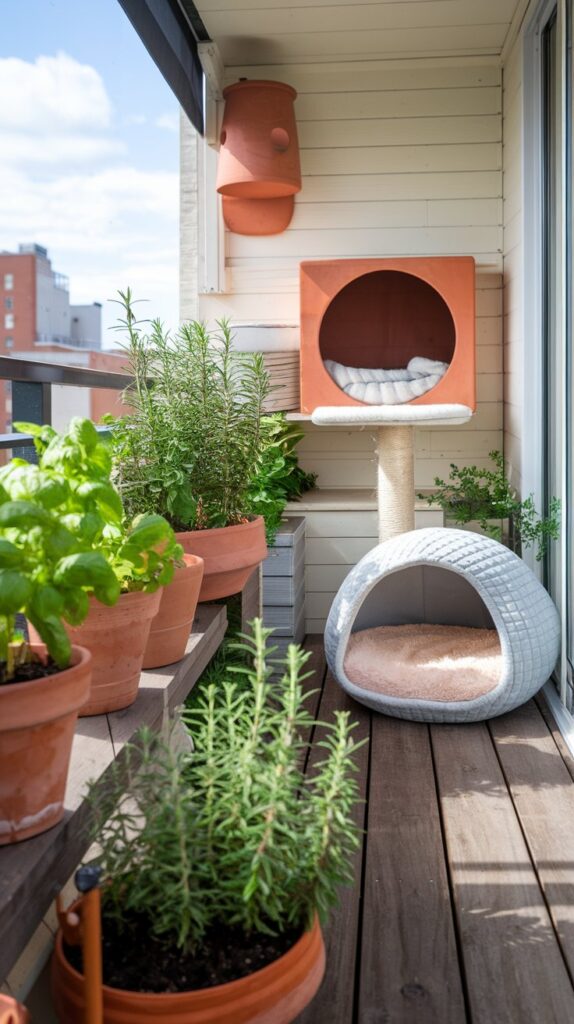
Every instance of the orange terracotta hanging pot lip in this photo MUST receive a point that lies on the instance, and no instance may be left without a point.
(250, 83)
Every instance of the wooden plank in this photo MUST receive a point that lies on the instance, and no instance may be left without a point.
(354, 17)
(409, 969)
(395, 131)
(292, 47)
(543, 795)
(512, 961)
(334, 1001)
(361, 76)
(400, 104)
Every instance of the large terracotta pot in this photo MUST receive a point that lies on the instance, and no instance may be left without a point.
(171, 627)
(117, 638)
(274, 995)
(37, 722)
(230, 553)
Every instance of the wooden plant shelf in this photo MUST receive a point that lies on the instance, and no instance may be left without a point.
(33, 872)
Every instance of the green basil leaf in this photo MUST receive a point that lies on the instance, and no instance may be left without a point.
(23, 514)
(89, 570)
(15, 590)
(53, 633)
(10, 556)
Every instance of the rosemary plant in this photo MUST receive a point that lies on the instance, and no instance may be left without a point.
(193, 441)
(233, 834)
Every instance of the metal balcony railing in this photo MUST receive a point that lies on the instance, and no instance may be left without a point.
(32, 392)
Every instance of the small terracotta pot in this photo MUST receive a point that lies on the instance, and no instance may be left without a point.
(230, 553)
(117, 638)
(171, 627)
(37, 722)
(274, 995)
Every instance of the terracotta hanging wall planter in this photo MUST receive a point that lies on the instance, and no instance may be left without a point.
(230, 554)
(276, 994)
(171, 626)
(259, 171)
(37, 722)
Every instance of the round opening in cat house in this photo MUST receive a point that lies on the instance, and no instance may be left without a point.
(424, 633)
(387, 338)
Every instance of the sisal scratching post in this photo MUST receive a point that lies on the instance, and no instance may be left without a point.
(395, 480)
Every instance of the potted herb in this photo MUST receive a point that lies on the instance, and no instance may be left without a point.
(138, 553)
(484, 500)
(47, 575)
(192, 445)
(278, 477)
(226, 859)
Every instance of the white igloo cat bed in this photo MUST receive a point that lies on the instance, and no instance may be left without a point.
(440, 625)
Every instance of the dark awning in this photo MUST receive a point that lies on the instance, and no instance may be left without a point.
(167, 36)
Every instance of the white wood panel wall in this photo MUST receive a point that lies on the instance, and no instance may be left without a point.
(398, 159)
(513, 258)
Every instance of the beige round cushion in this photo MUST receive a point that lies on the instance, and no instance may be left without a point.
(425, 661)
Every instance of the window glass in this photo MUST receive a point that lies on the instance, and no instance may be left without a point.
(9, 320)
(8, 281)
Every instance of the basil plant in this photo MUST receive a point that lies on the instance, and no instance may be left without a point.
(64, 538)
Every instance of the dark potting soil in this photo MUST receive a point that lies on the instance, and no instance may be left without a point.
(29, 671)
(136, 961)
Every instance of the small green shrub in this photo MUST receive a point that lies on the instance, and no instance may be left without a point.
(64, 538)
(483, 495)
(278, 477)
(234, 833)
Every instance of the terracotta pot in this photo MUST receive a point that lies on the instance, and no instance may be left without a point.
(117, 638)
(230, 553)
(171, 627)
(274, 995)
(37, 722)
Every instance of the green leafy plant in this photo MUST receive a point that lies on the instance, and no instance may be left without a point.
(278, 477)
(64, 538)
(483, 495)
(233, 834)
(193, 442)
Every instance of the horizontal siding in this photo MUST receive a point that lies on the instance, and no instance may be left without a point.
(397, 160)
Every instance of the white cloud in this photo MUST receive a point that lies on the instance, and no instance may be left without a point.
(168, 121)
(57, 149)
(52, 94)
(66, 181)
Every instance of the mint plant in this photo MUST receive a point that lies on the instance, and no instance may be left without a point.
(64, 539)
(278, 477)
(233, 834)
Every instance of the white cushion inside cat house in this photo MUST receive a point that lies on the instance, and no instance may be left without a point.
(387, 387)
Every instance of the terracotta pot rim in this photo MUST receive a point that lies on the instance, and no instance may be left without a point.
(192, 562)
(250, 83)
(214, 530)
(229, 987)
(80, 657)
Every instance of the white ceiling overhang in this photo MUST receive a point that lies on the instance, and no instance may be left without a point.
(268, 32)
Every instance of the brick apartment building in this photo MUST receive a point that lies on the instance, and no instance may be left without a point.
(38, 322)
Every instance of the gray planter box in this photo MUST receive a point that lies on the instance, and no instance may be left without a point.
(284, 584)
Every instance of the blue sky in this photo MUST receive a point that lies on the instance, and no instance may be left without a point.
(89, 151)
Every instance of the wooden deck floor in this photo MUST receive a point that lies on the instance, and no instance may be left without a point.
(463, 903)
